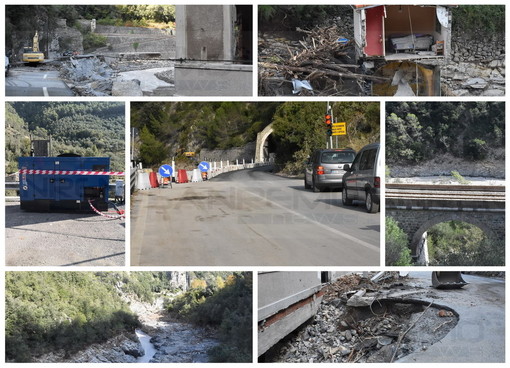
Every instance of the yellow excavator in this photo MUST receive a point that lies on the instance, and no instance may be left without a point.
(32, 54)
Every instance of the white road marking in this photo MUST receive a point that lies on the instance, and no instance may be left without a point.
(45, 76)
(335, 231)
(45, 92)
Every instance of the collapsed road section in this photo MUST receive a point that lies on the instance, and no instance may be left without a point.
(384, 317)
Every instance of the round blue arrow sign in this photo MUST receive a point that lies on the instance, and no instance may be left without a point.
(165, 171)
(204, 166)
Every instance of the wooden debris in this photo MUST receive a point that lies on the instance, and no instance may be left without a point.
(318, 58)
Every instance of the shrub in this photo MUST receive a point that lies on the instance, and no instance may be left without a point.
(398, 252)
(476, 149)
(460, 178)
(93, 41)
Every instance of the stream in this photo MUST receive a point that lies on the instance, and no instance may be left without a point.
(166, 340)
(148, 348)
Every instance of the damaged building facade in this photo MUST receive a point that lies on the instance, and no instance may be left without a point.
(406, 43)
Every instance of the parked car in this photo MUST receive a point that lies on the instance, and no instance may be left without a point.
(325, 168)
(362, 180)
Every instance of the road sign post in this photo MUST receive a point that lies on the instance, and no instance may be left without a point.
(204, 166)
(166, 172)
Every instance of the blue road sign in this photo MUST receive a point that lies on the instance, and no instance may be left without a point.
(204, 166)
(165, 171)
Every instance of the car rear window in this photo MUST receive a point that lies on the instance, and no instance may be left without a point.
(337, 157)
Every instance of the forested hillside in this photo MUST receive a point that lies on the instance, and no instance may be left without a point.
(46, 311)
(299, 128)
(91, 129)
(420, 131)
(170, 129)
(21, 21)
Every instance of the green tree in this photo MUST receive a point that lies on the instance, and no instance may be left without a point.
(152, 151)
(397, 248)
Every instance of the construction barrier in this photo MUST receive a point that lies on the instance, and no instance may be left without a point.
(143, 181)
(140, 180)
(153, 179)
(182, 176)
(196, 176)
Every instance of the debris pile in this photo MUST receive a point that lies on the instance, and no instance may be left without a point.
(360, 321)
(323, 58)
(104, 76)
(88, 76)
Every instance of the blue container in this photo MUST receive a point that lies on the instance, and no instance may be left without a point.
(56, 192)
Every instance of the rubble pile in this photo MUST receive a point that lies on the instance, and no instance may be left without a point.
(88, 76)
(106, 76)
(320, 64)
(360, 321)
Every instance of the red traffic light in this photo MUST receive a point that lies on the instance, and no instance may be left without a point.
(327, 117)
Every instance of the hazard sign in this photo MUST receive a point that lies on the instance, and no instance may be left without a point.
(339, 128)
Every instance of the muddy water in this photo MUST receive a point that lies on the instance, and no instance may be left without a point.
(148, 347)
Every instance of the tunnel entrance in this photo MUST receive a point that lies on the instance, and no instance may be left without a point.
(269, 149)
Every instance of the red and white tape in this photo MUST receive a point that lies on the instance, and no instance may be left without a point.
(121, 213)
(62, 172)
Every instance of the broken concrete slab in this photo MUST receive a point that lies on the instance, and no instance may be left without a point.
(149, 81)
(127, 88)
(359, 300)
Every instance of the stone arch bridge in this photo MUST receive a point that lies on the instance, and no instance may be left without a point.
(262, 152)
(419, 207)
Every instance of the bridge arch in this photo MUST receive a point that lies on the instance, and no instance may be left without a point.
(265, 146)
(446, 217)
(415, 222)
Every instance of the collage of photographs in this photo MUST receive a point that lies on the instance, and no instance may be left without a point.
(253, 183)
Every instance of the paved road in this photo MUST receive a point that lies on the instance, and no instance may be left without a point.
(479, 336)
(62, 239)
(250, 217)
(35, 81)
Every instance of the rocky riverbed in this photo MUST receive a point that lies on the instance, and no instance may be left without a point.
(173, 341)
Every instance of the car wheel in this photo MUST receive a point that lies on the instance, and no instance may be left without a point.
(370, 205)
(314, 187)
(307, 186)
(346, 201)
